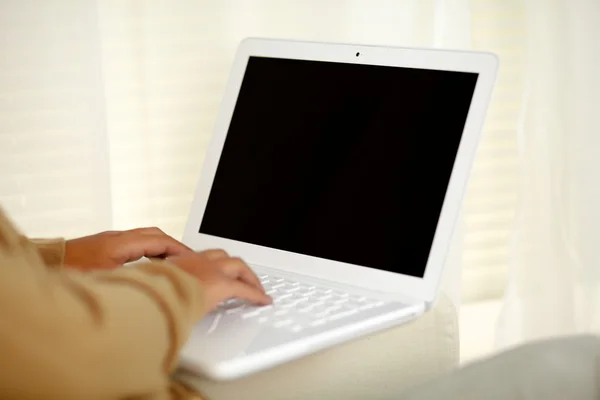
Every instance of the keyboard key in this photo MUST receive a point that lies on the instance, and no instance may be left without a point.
(343, 315)
(280, 296)
(334, 309)
(283, 323)
(353, 303)
(320, 308)
(251, 314)
(266, 309)
(326, 297)
(288, 303)
(235, 310)
(307, 308)
(322, 314)
(341, 301)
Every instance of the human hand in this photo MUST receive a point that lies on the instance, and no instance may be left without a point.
(109, 250)
(223, 277)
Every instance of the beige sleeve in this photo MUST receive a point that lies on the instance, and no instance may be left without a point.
(68, 335)
(52, 251)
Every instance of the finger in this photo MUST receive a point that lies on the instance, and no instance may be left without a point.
(170, 247)
(150, 230)
(154, 246)
(157, 231)
(236, 268)
(240, 290)
(214, 254)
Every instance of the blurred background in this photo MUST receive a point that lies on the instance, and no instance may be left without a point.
(107, 108)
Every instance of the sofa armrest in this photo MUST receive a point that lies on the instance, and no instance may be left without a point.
(380, 366)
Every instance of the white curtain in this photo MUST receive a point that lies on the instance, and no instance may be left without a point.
(54, 175)
(107, 107)
(554, 284)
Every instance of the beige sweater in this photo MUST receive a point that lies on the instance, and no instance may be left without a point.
(102, 335)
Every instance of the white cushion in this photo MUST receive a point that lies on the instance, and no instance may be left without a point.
(557, 369)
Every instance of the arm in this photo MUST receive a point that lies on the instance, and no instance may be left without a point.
(69, 335)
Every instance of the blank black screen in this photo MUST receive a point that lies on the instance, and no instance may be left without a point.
(345, 162)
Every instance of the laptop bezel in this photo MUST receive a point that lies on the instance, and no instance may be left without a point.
(421, 289)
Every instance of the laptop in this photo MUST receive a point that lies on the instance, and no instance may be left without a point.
(337, 172)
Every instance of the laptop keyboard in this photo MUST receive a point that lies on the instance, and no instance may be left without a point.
(298, 305)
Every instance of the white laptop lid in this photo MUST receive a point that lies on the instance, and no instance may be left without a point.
(343, 162)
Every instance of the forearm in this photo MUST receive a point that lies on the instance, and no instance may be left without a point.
(71, 335)
(115, 336)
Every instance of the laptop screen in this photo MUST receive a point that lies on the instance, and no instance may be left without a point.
(345, 162)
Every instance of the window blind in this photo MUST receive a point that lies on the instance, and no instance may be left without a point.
(490, 203)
